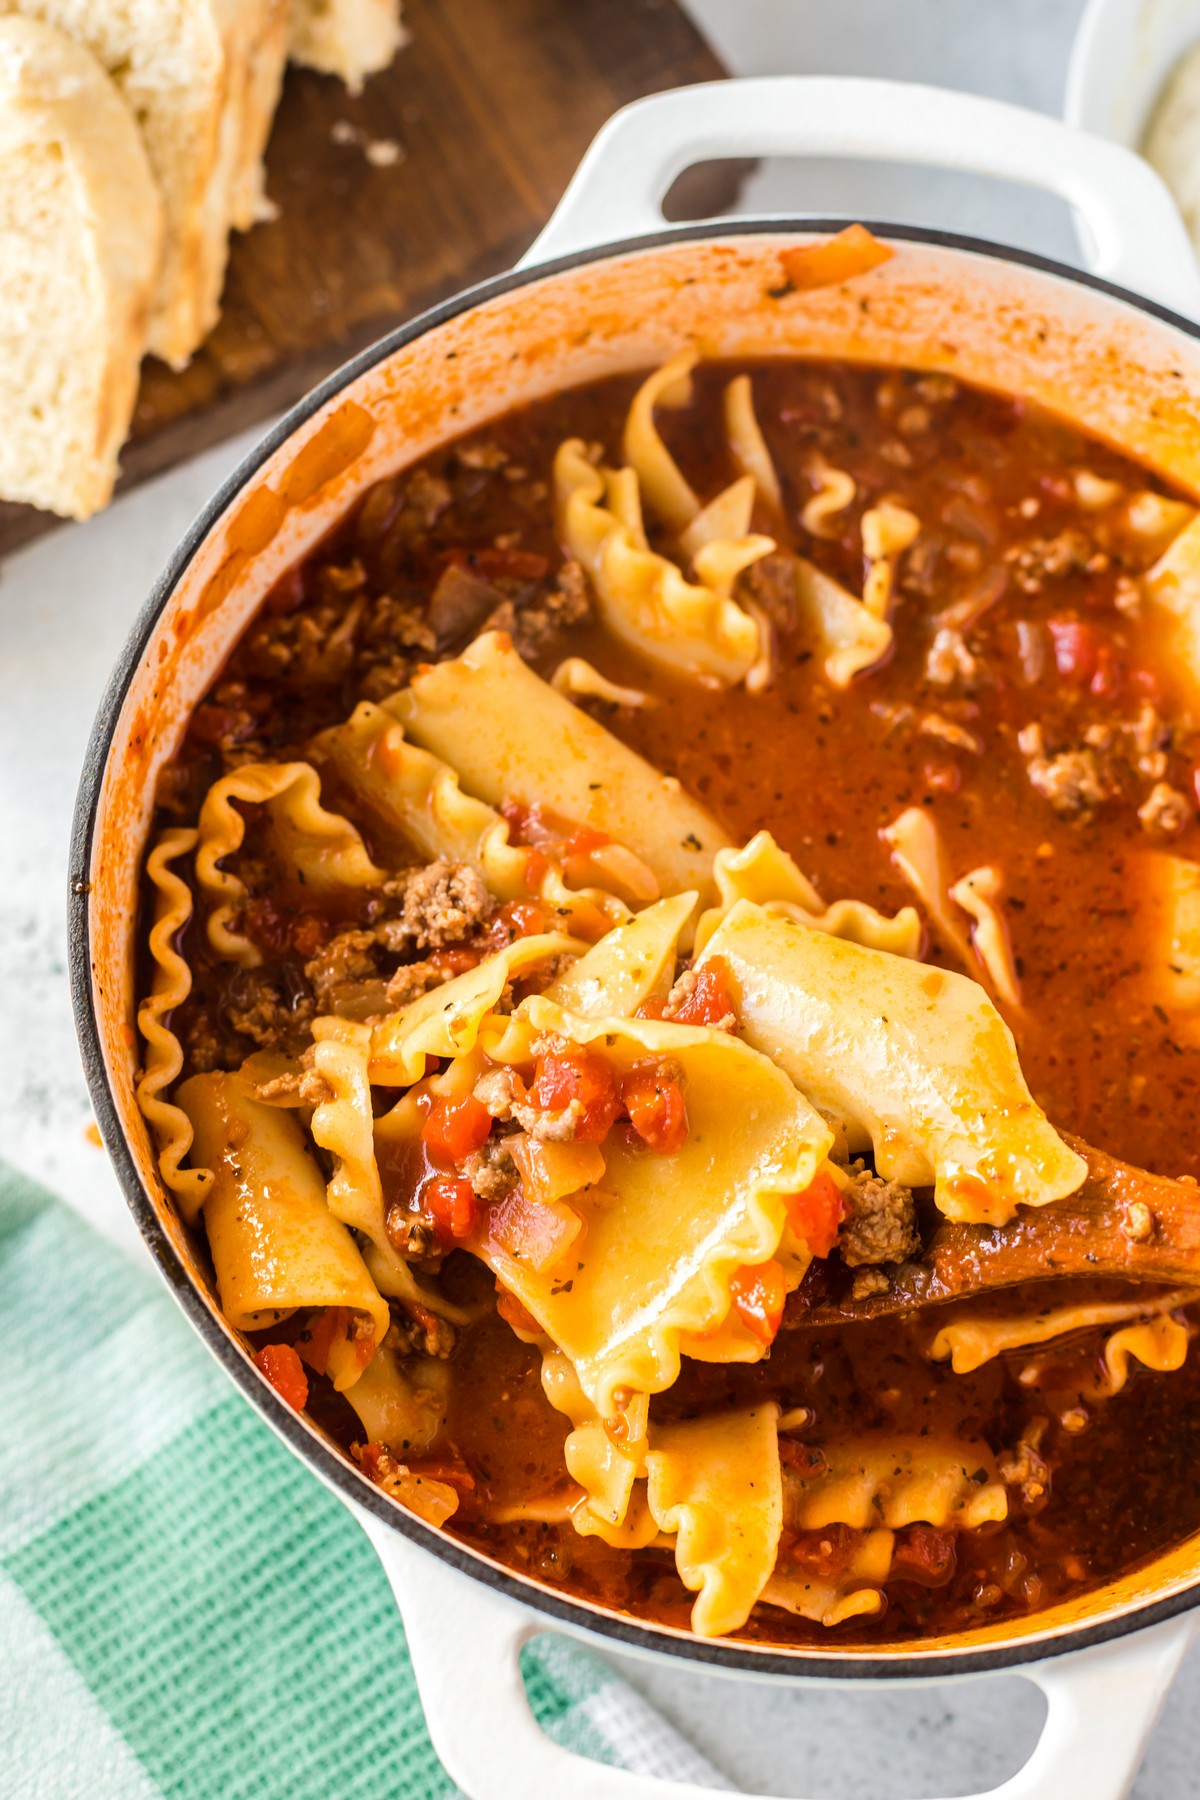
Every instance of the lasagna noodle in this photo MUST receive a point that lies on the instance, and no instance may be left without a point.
(854, 1594)
(969, 1342)
(916, 850)
(888, 531)
(604, 1468)
(1169, 929)
(324, 849)
(344, 1126)
(915, 1060)
(715, 1483)
(764, 872)
(401, 1405)
(692, 628)
(850, 638)
(275, 1244)
(419, 801)
(894, 1480)
(1173, 584)
(659, 477)
(977, 893)
(665, 1233)
(746, 443)
(446, 1021)
(628, 965)
(170, 986)
(512, 737)
(578, 680)
(835, 491)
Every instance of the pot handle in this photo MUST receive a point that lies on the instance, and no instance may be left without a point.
(1137, 238)
(465, 1641)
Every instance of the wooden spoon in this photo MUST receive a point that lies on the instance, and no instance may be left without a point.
(1122, 1222)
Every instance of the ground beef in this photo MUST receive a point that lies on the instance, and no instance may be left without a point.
(771, 583)
(349, 957)
(274, 1018)
(1071, 781)
(1050, 558)
(415, 1331)
(411, 980)
(304, 1085)
(949, 661)
(202, 1043)
(532, 622)
(1166, 812)
(867, 1283)
(882, 1222)
(491, 1170)
(443, 904)
(501, 1093)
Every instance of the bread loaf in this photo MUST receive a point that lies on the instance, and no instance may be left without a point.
(350, 38)
(201, 77)
(80, 241)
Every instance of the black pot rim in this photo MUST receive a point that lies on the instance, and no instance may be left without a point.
(732, 1656)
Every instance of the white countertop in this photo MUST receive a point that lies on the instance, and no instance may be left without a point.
(66, 605)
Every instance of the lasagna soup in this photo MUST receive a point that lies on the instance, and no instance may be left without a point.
(658, 858)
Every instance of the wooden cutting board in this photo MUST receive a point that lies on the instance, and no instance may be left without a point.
(439, 174)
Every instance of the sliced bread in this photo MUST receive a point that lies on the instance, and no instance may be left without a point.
(350, 38)
(201, 77)
(80, 241)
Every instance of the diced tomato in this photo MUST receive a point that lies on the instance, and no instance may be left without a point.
(825, 1553)
(514, 1313)
(655, 1005)
(817, 1212)
(577, 848)
(457, 960)
(567, 1075)
(511, 564)
(657, 1109)
(313, 1348)
(453, 1206)
(710, 1000)
(924, 1555)
(808, 1460)
(758, 1294)
(518, 919)
(285, 1372)
(537, 867)
(454, 1128)
(309, 932)
(1076, 649)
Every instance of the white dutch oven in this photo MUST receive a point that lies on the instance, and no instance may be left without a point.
(1123, 53)
(1119, 363)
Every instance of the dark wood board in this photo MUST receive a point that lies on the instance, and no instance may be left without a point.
(492, 103)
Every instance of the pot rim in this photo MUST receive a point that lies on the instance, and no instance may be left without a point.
(733, 1656)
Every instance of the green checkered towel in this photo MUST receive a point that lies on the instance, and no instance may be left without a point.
(184, 1610)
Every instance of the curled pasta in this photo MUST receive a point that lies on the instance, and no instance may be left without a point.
(850, 636)
(694, 629)
(419, 799)
(835, 492)
(715, 1483)
(917, 853)
(891, 1479)
(630, 963)
(578, 680)
(659, 477)
(916, 1061)
(344, 1126)
(652, 1273)
(323, 846)
(977, 893)
(888, 531)
(275, 1244)
(605, 1468)
(764, 872)
(747, 445)
(854, 1594)
(446, 1021)
(511, 737)
(969, 1341)
(170, 986)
